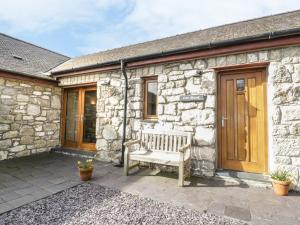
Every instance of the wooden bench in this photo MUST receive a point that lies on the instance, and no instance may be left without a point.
(172, 148)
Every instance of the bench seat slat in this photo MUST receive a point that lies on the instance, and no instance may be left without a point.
(159, 157)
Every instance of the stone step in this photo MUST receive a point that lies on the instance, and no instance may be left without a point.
(74, 152)
(251, 179)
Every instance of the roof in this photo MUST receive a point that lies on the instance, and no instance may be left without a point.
(24, 58)
(248, 28)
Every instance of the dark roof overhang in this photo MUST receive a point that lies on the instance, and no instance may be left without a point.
(210, 45)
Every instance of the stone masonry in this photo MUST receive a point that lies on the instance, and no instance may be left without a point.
(198, 77)
(29, 118)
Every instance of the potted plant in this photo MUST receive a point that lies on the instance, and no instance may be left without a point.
(281, 181)
(85, 169)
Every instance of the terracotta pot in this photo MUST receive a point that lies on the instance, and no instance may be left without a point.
(86, 174)
(281, 187)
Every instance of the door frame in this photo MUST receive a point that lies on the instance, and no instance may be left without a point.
(237, 69)
(80, 145)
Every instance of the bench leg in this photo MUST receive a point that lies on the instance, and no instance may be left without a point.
(181, 174)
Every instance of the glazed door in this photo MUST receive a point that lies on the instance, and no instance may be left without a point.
(79, 130)
(242, 121)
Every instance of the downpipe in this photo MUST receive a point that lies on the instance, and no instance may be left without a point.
(124, 74)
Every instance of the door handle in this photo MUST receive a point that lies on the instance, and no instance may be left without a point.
(223, 121)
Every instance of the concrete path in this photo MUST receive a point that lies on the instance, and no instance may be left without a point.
(27, 179)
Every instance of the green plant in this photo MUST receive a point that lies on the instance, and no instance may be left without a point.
(281, 175)
(85, 165)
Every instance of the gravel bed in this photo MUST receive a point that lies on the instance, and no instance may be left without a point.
(94, 204)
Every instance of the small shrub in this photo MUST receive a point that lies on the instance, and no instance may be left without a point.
(85, 165)
(281, 175)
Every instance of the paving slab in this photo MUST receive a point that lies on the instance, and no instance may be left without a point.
(31, 178)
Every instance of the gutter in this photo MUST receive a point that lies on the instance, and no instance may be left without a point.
(209, 45)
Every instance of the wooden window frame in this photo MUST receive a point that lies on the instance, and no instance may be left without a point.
(146, 81)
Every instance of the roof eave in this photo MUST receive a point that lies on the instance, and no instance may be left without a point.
(209, 45)
(29, 75)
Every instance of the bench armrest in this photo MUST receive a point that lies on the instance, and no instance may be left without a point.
(128, 143)
(184, 148)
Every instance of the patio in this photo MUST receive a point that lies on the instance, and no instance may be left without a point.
(28, 179)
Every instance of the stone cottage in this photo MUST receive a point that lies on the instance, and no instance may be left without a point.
(235, 87)
(30, 101)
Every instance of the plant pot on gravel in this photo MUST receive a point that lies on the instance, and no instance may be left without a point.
(85, 169)
(281, 182)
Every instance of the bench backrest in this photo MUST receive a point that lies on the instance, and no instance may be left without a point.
(164, 140)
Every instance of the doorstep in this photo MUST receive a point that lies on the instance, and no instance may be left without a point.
(74, 152)
(250, 179)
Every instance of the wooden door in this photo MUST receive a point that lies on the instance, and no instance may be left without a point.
(79, 118)
(242, 121)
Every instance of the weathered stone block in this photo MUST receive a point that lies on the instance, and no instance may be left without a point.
(33, 110)
(200, 64)
(187, 105)
(53, 115)
(275, 54)
(252, 57)
(3, 154)
(286, 93)
(221, 61)
(263, 56)
(162, 79)
(185, 66)
(169, 118)
(5, 143)
(286, 147)
(296, 74)
(279, 73)
(6, 119)
(286, 160)
(205, 136)
(40, 143)
(206, 117)
(231, 59)
(4, 127)
(23, 153)
(170, 109)
(280, 130)
(109, 132)
(37, 93)
(291, 113)
(49, 127)
(191, 73)
(277, 115)
(10, 134)
(176, 77)
(210, 101)
(55, 102)
(241, 58)
(18, 148)
(295, 128)
(26, 131)
(9, 91)
(173, 91)
(41, 118)
(26, 140)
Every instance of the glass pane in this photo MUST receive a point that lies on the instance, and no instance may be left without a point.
(151, 97)
(240, 85)
(71, 116)
(89, 124)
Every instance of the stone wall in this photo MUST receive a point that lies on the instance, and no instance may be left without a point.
(177, 79)
(29, 118)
